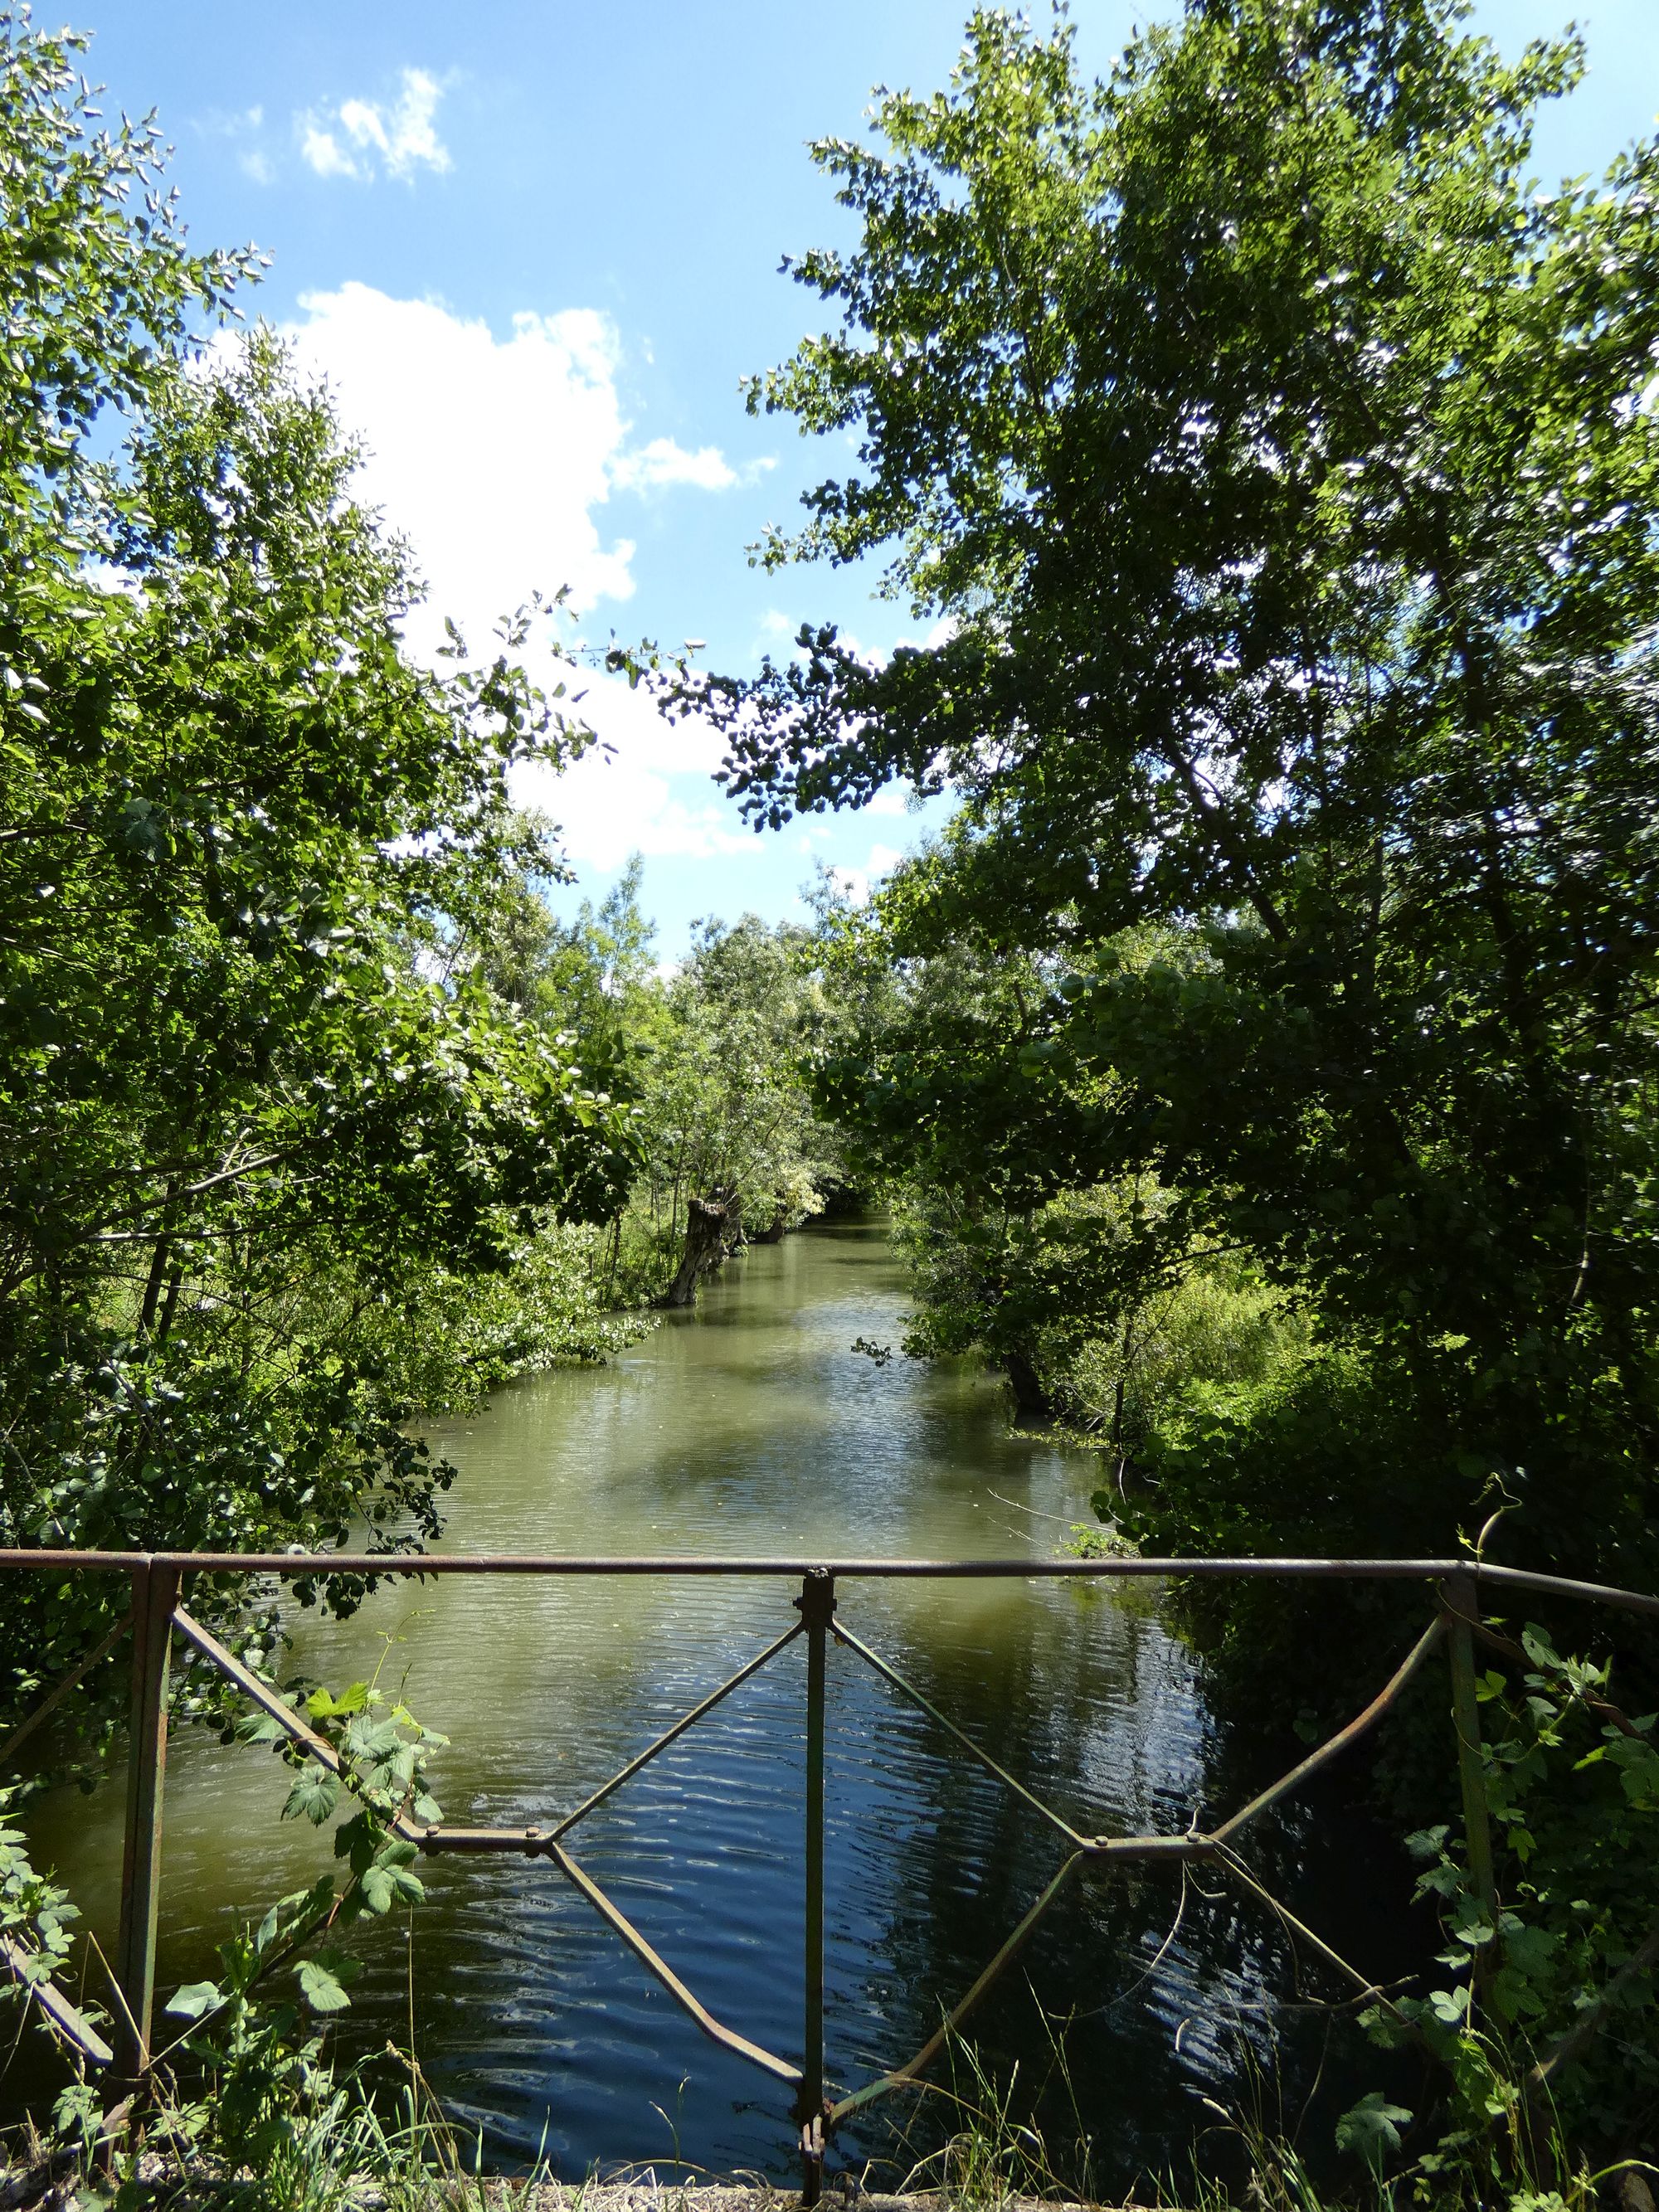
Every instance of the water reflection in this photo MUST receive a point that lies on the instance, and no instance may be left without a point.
(750, 1427)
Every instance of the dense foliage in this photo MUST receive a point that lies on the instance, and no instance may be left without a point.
(1282, 463)
(1261, 1067)
(710, 1054)
(1262, 1063)
(259, 1137)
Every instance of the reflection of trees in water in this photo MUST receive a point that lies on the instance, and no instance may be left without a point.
(1094, 1707)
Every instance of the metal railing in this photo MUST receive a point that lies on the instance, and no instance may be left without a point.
(156, 1615)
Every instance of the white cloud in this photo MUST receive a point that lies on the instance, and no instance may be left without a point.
(662, 462)
(650, 793)
(361, 137)
(488, 454)
(493, 457)
(322, 152)
(891, 799)
(235, 124)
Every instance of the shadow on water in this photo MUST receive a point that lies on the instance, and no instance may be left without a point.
(750, 1425)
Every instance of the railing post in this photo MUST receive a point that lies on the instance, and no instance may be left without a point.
(154, 1594)
(1463, 1607)
(816, 1604)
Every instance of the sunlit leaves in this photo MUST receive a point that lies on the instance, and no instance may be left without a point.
(1279, 471)
(254, 1092)
(315, 1794)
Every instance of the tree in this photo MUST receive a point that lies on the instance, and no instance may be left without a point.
(919, 1063)
(733, 1150)
(243, 1111)
(1283, 463)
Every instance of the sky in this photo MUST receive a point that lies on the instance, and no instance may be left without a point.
(533, 245)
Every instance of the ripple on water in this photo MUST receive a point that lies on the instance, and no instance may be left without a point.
(751, 1426)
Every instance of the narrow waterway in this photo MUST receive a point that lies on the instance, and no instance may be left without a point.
(750, 1425)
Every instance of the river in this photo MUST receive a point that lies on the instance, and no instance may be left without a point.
(750, 1425)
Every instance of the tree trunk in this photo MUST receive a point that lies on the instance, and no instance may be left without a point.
(705, 1224)
(1030, 1398)
(774, 1233)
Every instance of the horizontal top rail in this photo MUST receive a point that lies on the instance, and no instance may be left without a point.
(1484, 1573)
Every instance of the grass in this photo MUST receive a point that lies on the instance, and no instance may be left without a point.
(349, 2147)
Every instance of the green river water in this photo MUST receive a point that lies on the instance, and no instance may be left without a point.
(750, 1427)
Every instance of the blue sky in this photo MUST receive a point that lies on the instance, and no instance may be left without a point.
(534, 245)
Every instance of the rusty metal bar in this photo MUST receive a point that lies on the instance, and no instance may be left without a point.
(261, 1694)
(874, 1658)
(1334, 1746)
(562, 1827)
(529, 1841)
(290, 1564)
(614, 1918)
(902, 2076)
(155, 1611)
(1195, 1846)
(1518, 1655)
(816, 1602)
(154, 1593)
(64, 2017)
(72, 1680)
(1362, 1983)
(542, 1845)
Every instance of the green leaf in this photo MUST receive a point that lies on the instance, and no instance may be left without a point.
(322, 1706)
(1450, 2006)
(1371, 2130)
(322, 1980)
(77, 2114)
(194, 1999)
(376, 1889)
(315, 1794)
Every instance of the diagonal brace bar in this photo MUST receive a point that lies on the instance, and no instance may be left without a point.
(618, 1920)
(66, 2018)
(261, 1694)
(1362, 1984)
(874, 1658)
(902, 2077)
(324, 1753)
(1334, 1746)
(669, 1735)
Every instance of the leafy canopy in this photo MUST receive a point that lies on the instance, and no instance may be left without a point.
(1281, 462)
(248, 1105)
